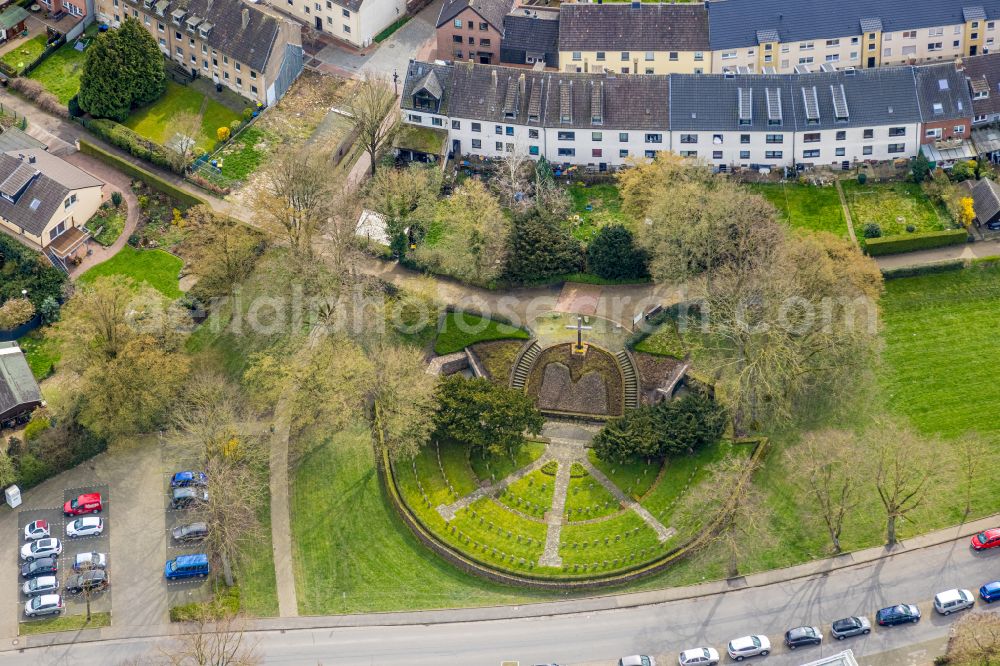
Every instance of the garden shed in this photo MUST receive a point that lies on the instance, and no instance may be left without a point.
(12, 22)
(19, 392)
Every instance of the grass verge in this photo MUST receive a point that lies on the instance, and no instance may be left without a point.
(64, 623)
(458, 330)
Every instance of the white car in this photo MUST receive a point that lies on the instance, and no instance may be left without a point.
(90, 561)
(36, 529)
(47, 604)
(950, 601)
(87, 526)
(703, 656)
(637, 660)
(41, 585)
(41, 548)
(749, 646)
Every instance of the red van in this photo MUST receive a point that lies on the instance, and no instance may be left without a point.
(89, 503)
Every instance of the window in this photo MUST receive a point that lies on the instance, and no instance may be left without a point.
(623, 136)
(728, 55)
(472, 40)
(204, 64)
(744, 138)
(253, 74)
(509, 131)
(457, 53)
(839, 152)
(866, 150)
(744, 154)
(577, 55)
(484, 42)
(689, 153)
(484, 26)
(909, 34)
(886, 37)
(897, 131)
(935, 32)
(596, 152)
(456, 125)
(811, 137)
(596, 136)
(600, 56)
(673, 56)
(688, 138)
(654, 138)
(57, 230)
(567, 152)
(650, 56)
(499, 145)
(437, 122)
(909, 50)
(868, 134)
(624, 70)
(477, 143)
(934, 46)
(253, 89)
(498, 129)
(772, 155)
(623, 152)
(958, 129)
(566, 136)
(532, 134)
(897, 148)
(533, 150)
(69, 202)
(980, 119)
(886, 52)
(347, 28)
(832, 42)
(177, 35)
(649, 153)
(458, 22)
(806, 154)
(457, 39)
(833, 57)
(159, 26)
(806, 46)
(806, 60)
(717, 139)
(698, 56)
(775, 138)
(476, 127)
(624, 55)
(649, 70)
(716, 154)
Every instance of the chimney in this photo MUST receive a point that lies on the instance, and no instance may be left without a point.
(246, 17)
(31, 159)
(959, 65)
(521, 84)
(494, 75)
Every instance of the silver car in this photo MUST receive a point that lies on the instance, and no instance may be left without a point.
(850, 626)
(39, 586)
(47, 604)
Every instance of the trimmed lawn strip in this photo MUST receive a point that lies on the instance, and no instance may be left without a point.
(497, 468)
(60, 72)
(886, 203)
(531, 495)
(242, 156)
(492, 526)
(806, 206)
(633, 478)
(64, 623)
(26, 53)
(586, 498)
(255, 569)
(455, 461)
(41, 351)
(618, 538)
(459, 330)
(605, 208)
(153, 121)
(160, 269)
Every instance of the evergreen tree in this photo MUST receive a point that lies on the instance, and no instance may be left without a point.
(541, 248)
(485, 415)
(613, 255)
(104, 86)
(143, 61)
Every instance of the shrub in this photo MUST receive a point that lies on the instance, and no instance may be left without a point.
(134, 171)
(910, 228)
(247, 114)
(45, 100)
(862, 178)
(235, 126)
(613, 255)
(222, 133)
(116, 198)
(872, 230)
(550, 468)
(963, 171)
(27, 87)
(49, 310)
(31, 471)
(74, 107)
(24, 269)
(910, 242)
(39, 423)
(129, 141)
(921, 168)
(15, 312)
(541, 248)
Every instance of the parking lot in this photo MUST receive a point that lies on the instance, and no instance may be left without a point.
(74, 604)
(191, 589)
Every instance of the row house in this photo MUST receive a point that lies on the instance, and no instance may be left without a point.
(778, 36)
(356, 22)
(531, 37)
(236, 45)
(634, 38)
(471, 30)
(728, 120)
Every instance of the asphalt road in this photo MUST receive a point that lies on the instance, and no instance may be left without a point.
(660, 629)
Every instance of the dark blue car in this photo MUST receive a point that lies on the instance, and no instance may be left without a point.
(897, 615)
(990, 592)
(184, 479)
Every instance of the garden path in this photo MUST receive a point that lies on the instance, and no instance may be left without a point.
(662, 532)
(448, 511)
(847, 211)
(281, 529)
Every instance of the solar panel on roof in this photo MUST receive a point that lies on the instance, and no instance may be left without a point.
(812, 104)
(773, 105)
(839, 101)
(745, 96)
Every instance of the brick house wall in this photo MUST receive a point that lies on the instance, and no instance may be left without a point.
(958, 128)
(470, 35)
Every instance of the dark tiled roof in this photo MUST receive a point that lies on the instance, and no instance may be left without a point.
(622, 27)
(492, 11)
(873, 97)
(49, 180)
(984, 72)
(942, 87)
(18, 388)
(530, 33)
(486, 92)
(985, 199)
(252, 44)
(734, 23)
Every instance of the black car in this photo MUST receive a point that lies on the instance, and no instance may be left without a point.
(190, 532)
(800, 636)
(899, 614)
(45, 566)
(94, 580)
(850, 626)
(181, 498)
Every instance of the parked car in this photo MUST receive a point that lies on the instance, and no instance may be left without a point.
(800, 636)
(40, 585)
(190, 532)
(34, 550)
(86, 503)
(703, 656)
(986, 539)
(187, 566)
(993, 225)
(637, 660)
(949, 601)
(90, 561)
(88, 526)
(850, 626)
(94, 581)
(36, 529)
(900, 614)
(182, 498)
(749, 646)
(46, 566)
(183, 479)
(47, 604)
(990, 592)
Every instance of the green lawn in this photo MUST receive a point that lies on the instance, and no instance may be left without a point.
(255, 569)
(25, 53)
(594, 206)
(64, 623)
(41, 351)
(160, 269)
(633, 478)
(60, 72)
(531, 494)
(806, 206)
(153, 121)
(893, 206)
(458, 330)
(586, 498)
(245, 153)
(489, 467)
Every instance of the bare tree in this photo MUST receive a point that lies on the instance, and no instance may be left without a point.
(905, 466)
(88, 589)
(513, 176)
(341, 248)
(296, 196)
(975, 641)
(373, 114)
(213, 419)
(216, 638)
(221, 251)
(827, 466)
(186, 125)
(970, 448)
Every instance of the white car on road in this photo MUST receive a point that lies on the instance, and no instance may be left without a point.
(703, 656)
(41, 548)
(950, 601)
(87, 526)
(749, 646)
(637, 660)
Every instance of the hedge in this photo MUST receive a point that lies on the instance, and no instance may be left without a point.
(128, 140)
(151, 179)
(909, 242)
(924, 269)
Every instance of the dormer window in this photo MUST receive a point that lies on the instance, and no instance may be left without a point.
(178, 16)
(424, 101)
